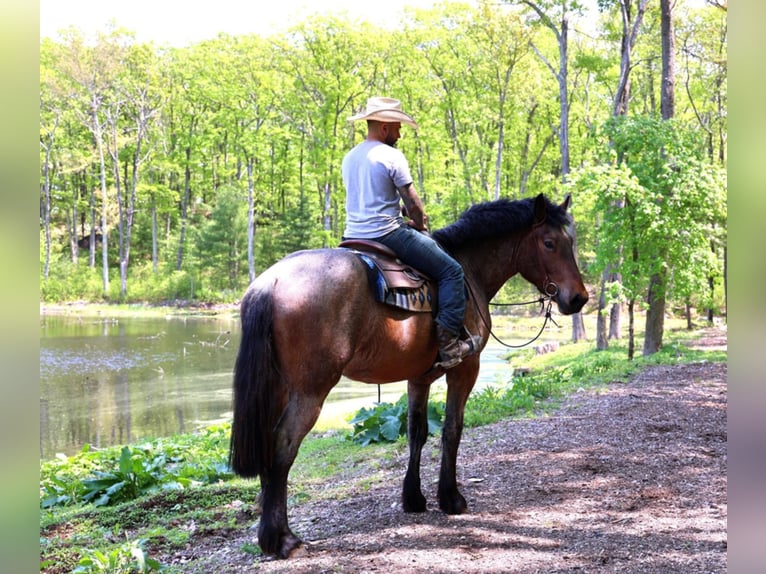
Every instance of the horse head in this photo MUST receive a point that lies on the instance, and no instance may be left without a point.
(553, 267)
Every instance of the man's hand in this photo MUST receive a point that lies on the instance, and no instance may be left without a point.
(413, 208)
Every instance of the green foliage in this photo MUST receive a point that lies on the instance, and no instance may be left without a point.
(386, 422)
(222, 240)
(129, 558)
(112, 476)
(239, 113)
(68, 281)
(661, 208)
(166, 284)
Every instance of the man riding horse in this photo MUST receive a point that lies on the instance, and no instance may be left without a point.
(377, 176)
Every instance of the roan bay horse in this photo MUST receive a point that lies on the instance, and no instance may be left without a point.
(311, 318)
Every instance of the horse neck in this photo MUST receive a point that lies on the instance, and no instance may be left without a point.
(493, 262)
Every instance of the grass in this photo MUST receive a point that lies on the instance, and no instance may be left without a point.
(191, 495)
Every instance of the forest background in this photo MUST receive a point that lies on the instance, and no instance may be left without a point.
(177, 174)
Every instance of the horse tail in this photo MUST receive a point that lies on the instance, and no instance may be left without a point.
(258, 395)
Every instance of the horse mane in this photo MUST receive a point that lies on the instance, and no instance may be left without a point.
(496, 218)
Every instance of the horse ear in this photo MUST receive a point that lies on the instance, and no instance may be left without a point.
(567, 201)
(540, 209)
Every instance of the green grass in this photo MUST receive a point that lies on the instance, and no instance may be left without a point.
(182, 480)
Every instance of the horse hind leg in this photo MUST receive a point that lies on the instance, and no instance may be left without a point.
(274, 535)
(417, 432)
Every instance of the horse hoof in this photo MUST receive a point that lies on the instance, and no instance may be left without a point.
(278, 546)
(291, 546)
(453, 505)
(415, 503)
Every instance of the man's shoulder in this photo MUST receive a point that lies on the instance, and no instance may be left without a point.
(385, 151)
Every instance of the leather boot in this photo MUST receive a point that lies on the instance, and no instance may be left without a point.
(452, 350)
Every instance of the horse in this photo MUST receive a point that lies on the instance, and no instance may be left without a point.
(311, 318)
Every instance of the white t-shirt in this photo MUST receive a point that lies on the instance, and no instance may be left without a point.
(372, 171)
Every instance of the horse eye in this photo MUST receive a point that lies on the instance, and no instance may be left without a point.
(548, 244)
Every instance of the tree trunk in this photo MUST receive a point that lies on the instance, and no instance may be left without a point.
(98, 136)
(250, 221)
(631, 329)
(668, 103)
(711, 286)
(726, 283)
(615, 318)
(74, 238)
(114, 152)
(602, 342)
(562, 77)
(688, 313)
(184, 210)
(154, 234)
(620, 108)
(655, 315)
(46, 210)
(92, 237)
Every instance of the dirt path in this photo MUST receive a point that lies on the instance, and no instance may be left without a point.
(632, 479)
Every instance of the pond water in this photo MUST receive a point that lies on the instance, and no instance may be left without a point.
(110, 381)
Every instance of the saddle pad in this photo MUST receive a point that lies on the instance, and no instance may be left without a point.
(396, 284)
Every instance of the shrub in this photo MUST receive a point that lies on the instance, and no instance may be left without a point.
(115, 475)
(386, 422)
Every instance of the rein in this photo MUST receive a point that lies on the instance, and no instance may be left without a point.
(551, 290)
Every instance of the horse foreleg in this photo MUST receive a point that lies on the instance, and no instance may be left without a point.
(460, 381)
(274, 535)
(417, 433)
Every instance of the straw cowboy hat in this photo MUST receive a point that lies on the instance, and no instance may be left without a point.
(384, 110)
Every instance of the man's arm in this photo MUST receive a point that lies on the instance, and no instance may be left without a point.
(414, 207)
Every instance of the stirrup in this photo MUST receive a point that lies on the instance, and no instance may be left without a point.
(457, 349)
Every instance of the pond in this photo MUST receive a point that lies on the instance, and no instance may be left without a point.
(118, 380)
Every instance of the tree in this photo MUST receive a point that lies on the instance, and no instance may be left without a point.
(221, 240)
(630, 24)
(142, 102)
(671, 197)
(561, 32)
(268, 117)
(333, 67)
(93, 70)
(655, 316)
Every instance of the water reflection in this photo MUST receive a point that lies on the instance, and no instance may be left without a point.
(115, 381)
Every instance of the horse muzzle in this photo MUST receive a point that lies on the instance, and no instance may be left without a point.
(569, 304)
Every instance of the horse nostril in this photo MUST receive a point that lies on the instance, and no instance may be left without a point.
(578, 301)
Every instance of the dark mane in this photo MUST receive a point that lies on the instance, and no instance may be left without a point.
(496, 218)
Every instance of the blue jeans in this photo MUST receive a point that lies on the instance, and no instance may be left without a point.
(420, 251)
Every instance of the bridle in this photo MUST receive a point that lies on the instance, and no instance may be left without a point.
(550, 290)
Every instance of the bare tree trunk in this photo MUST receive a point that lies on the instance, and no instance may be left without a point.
(46, 201)
(630, 26)
(602, 342)
(668, 103)
(655, 315)
(184, 210)
(688, 312)
(711, 286)
(92, 238)
(154, 234)
(726, 282)
(250, 221)
(114, 152)
(631, 329)
(98, 136)
(74, 238)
